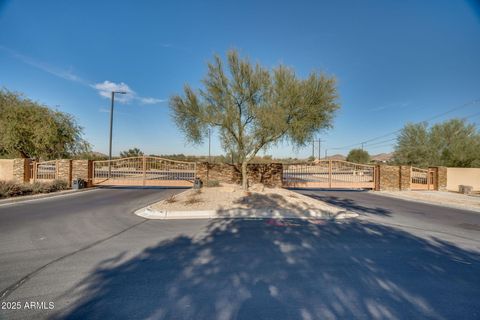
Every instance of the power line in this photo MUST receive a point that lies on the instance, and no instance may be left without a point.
(382, 146)
(472, 102)
(380, 142)
(472, 115)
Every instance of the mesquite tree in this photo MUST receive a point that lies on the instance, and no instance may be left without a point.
(253, 107)
(452, 143)
(31, 130)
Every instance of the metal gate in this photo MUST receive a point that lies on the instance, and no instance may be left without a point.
(422, 179)
(144, 171)
(329, 174)
(43, 171)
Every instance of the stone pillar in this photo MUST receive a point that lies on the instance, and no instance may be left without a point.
(439, 178)
(405, 177)
(202, 171)
(83, 169)
(388, 178)
(21, 170)
(64, 170)
(269, 174)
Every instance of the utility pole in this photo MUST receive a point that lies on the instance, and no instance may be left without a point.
(326, 154)
(209, 143)
(363, 144)
(313, 148)
(319, 148)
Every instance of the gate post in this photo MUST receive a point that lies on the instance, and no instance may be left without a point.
(144, 169)
(82, 169)
(34, 170)
(405, 177)
(330, 174)
(439, 178)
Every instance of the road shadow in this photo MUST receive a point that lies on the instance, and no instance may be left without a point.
(285, 269)
(139, 187)
(345, 203)
(274, 205)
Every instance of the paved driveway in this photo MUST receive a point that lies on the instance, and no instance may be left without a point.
(432, 220)
(98, 261)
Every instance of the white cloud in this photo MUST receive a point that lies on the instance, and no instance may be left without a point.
(106, 87)
(107, 110)
(150, 100)
(66, 74)
(105, 90)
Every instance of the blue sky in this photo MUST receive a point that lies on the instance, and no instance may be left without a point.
(395, 61)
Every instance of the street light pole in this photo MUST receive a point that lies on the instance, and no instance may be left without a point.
(111, 130)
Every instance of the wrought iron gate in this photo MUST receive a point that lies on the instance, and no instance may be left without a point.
(144, 171)
(421, 179)
(329, 174)
(43, 171)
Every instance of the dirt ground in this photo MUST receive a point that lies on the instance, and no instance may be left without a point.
(470, 202)
(229, 196)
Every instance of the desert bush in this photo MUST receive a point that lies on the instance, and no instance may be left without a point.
(171, 199)
(12, 189)
(192, 200)
(58, 185)
(39, 187)
(213, 183)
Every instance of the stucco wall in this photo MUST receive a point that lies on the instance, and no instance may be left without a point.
(465, 176)
(6, 169)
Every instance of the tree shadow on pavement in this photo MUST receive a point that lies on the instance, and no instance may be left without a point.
(266, 205)
(348, 204)
(285, 269)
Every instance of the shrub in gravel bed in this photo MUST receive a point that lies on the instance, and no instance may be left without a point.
(212, 183)
(192, 200)
(58, 185)
(12, 189)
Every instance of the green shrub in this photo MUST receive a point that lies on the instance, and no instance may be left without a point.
(212, 183)
(38, 187)
(12, 189)
(171, 199)
(58, 185)
(192, 200)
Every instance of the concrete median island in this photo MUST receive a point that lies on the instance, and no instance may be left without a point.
(230, 201)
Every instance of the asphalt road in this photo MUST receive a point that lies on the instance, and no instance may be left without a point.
(90, 258)
(454, 224)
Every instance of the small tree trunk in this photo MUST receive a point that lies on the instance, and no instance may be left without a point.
(244, 175)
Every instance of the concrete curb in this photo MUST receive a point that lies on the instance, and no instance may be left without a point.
(21, 199)
(149, 213)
